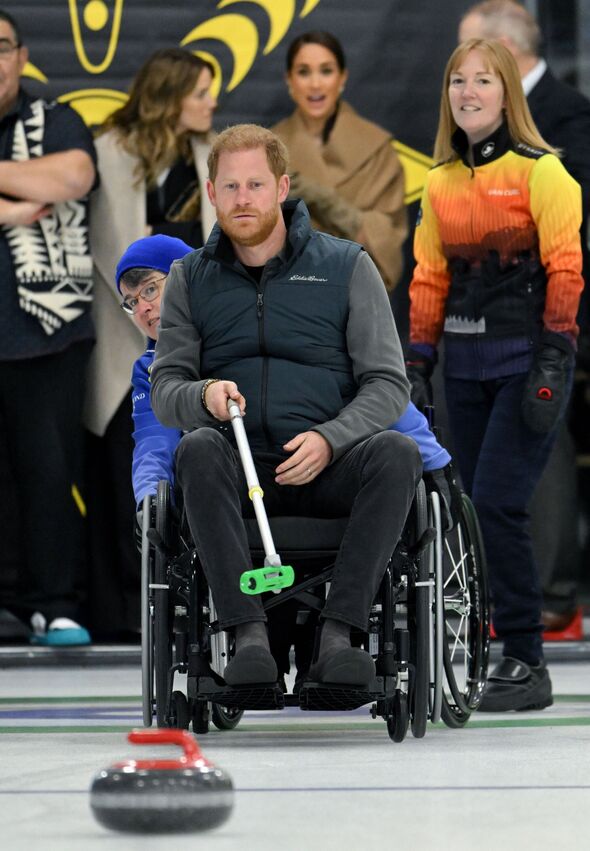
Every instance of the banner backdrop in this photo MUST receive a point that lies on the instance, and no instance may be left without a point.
(85, 52)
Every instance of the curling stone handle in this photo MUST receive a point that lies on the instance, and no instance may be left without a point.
(170, 736)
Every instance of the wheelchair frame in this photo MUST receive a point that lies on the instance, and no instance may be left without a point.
(428, 624)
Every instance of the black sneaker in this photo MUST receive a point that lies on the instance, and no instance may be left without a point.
(251, 664)
(516, 686)
(349, 666)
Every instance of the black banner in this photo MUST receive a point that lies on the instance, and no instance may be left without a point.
(85, 52)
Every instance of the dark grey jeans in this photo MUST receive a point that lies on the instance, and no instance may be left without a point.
(373, 483)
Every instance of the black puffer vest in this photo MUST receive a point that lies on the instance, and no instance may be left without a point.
(283, 341)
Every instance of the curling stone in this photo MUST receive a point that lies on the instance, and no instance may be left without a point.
(162, 795)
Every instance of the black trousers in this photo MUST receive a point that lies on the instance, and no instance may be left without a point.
(40, 405)
(114, 564)
(501, 461)
(374, 483)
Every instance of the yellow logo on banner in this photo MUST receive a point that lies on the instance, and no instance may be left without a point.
(416, 165)
(94, 105)
(96, 16)
(34, 73)
(235, 31)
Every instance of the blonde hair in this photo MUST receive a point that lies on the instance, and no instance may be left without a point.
(147, 124)
(247, 137)
(500, 61)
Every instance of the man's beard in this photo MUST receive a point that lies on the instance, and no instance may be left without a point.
(266, 223)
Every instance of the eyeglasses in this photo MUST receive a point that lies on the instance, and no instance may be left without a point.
(7, 47)
(148, 293)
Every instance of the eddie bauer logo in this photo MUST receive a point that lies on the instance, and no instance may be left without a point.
(488, 149)
(308, 278)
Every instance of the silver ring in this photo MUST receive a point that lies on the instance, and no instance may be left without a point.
(309, 471)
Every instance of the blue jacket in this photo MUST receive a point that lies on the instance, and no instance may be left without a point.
(155, 445)
(153, 455)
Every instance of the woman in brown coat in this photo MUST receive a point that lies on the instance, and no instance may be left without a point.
(344, 167)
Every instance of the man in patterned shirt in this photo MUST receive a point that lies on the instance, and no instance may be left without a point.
(47, 168)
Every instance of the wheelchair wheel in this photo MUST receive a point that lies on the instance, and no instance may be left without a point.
(180, 716)
(162, 637)
(200, 717)
(226, 717)
(399, 718)
(419, 625)
(466, 615)
(437, 618)
(147, 623)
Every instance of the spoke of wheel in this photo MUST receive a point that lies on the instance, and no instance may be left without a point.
(457, 635)
(456, 566)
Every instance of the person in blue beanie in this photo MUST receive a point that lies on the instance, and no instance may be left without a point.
(140, 276)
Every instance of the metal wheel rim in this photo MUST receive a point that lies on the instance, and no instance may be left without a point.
(147, 639)
(457, 601)
(438, 614)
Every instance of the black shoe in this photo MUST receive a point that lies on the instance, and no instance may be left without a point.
(350, 666)
(252, 664)
(516, 686)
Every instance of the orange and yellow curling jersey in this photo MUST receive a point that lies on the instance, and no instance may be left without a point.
(519, 202)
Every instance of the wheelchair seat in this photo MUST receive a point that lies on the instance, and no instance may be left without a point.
(303, 536)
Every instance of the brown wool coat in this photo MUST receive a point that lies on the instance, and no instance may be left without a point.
(353, 185)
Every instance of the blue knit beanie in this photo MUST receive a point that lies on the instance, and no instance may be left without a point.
(151, 252)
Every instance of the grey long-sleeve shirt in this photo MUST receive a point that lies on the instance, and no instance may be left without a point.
(373, 346)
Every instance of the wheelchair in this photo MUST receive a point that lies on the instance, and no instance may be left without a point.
(428, 629)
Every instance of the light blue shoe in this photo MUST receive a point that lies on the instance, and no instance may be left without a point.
(61, 632)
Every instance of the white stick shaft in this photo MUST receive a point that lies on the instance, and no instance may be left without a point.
(252, 479)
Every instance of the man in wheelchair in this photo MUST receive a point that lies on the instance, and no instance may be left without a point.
(140, 277)
(298, 324)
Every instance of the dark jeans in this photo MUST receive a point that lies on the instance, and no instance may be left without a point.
(374, 483)
(41, 403)
(501, 461)
(114, 565)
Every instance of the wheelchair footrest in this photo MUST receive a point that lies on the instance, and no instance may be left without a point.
(263, 696)
(332, 697)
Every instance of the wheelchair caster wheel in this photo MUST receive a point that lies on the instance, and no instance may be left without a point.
(180, 716)
(226, 717)
(200, 717)
(162, 795)
(399, 718)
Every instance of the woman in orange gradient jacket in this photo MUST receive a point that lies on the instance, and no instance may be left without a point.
(498, 272)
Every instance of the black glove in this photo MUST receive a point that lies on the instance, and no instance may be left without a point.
(419, 368)
(547, 386)
(443, 482)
